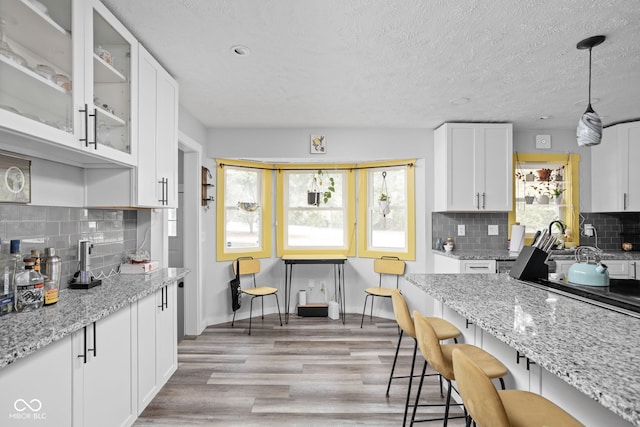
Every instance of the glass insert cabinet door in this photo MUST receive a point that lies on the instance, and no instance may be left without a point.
(36, 67)
(67, 75)
(110, 70)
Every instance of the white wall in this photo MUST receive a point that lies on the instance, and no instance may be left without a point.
(343, 145)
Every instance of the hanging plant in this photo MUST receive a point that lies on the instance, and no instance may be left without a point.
(383, 198)
(317, 192)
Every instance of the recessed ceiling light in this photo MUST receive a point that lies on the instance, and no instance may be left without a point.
(459, 101)
(240, 50)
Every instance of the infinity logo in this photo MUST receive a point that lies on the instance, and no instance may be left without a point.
(22, 405)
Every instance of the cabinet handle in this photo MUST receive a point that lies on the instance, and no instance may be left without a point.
(484, 200)
(162, 298)
(86, 127)
(164, 182)
(166, 297)
(93, 350)
(467, 323)
(624, 201)
(478, 200)
(529, 362)
(84, 351)
(95, 128)
(635, 272)
(479, 267)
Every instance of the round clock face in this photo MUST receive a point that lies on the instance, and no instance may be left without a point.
(14, 179)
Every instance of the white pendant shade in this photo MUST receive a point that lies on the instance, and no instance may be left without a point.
(589, 130)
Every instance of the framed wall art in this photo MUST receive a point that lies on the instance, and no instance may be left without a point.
(318, 144)
(15, 179)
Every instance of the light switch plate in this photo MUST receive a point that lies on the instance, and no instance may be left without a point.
(461, 229)
(543, 142)
(492, 230)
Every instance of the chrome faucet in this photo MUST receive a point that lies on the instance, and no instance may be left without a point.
(562, 227)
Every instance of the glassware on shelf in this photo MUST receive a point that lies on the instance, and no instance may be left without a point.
(5, 49)
(104, 54)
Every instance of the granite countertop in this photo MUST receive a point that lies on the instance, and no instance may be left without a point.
(592, 348)
(24, 333)
(503, 254)
(462, 254)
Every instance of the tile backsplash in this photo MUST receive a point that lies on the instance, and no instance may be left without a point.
(445, 224)
(611, 229)
(112, 232)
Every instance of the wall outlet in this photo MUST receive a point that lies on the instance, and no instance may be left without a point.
(461, 229)
(588, 230)
(312, 283)
(492, 230)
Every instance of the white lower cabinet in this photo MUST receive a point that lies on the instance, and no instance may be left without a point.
(522, 375)
(103, 379)
(37, 390)
(447, 265)
(579, 405)
(157, 342)
(467, 329)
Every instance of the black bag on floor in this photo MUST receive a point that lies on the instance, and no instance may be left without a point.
(236, 290)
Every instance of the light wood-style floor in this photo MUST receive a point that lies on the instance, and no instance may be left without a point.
(311, 372)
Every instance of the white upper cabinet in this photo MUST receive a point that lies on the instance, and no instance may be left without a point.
(473, 167)
(110, 70)
(158, 135)
(57, 90)
(37, 72)
(614, 171)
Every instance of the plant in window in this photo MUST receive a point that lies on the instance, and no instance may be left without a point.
(556, 192)
(558, 174)
(544, 174)
(383, 198)
(544, 191)
(317, 191)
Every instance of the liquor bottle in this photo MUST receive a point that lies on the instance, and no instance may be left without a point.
(29, 287)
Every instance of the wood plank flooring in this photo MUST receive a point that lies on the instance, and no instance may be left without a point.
(311, 372)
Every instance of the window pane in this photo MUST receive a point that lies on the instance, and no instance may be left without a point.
(309, 225)
(243, 214)
(388, 218)
(540, 189)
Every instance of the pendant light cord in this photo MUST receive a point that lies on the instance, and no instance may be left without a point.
(590, 77)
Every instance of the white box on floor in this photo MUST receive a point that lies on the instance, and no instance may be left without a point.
(334, 310)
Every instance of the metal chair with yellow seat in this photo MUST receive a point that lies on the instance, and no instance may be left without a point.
(385, 266)
(503, 408)
(444, 330)
(248, 266)
(438, 356)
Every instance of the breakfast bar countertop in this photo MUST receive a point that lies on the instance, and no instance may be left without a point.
(592, 348)
(24, 333)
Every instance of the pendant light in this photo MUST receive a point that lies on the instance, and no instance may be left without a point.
(589, 130)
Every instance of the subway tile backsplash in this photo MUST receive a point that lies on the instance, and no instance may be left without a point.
(445, 224)
(112, 232)
(610, 229)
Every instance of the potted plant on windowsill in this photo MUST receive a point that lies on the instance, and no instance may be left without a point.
(556, 193)
(544, 192)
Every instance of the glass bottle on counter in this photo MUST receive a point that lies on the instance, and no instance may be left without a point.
(29, 287)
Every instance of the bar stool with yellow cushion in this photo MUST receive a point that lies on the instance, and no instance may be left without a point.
(439, 357)
(444, 330)
(383, 266)
(250, 266)
(503, 408)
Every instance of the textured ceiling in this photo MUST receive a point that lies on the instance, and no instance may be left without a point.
(393, 63)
